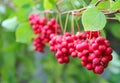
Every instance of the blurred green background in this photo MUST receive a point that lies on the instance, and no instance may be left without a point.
(19, 63)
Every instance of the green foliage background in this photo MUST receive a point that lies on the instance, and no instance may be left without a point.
(19, 63)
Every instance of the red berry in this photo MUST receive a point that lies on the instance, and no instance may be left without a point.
(96, 61)
(89, 66)
(99, 69)
(60, 60)
(74, 54)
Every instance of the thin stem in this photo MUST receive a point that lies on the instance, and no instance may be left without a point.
(46, 11)
(78, 27)
(47, 16)
(61, 23)
(56, 24)
(66, 22)
(109, 13)
(98, 2)
(112, 18)
(90, 35)
(74, 11)
(72, 24)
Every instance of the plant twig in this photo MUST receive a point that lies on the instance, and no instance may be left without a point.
(112, 18)
(74, 11)
(47, 11)
(98, 2)
(57, 5)
(114, 12)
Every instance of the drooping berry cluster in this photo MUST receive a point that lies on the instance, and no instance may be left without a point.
(63, 46)
(95, 53)
(39, 44)
(43, 29)
(37, 23)
(93, 50)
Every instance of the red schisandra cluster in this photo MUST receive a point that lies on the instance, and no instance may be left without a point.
(43, 29)
(93, 50)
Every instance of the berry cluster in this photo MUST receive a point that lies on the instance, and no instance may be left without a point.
(43, 29)
(39, 44)
(37, 23)
(95, 54)
(63, 46)
(93, 50)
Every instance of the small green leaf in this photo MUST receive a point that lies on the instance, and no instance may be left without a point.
(24, 33)
(115, 6)
(48, 4)
(10, 24)
(93, 20)
(104, 5)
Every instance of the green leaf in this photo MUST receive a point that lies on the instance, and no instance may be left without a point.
(21, 3)
(22, 14)
(93, 20)
(24, 33)
(10, 24)
(115, 29)
(103, 33)
(118, 16)
(115, 6)
(48, 4)
(104, 5)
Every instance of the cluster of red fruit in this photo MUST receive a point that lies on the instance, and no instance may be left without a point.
(43, 29)
(93, 50)
(95, 53)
